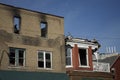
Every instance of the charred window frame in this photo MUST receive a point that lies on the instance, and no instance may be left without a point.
(43, 27)
(17, 57)
(16, 22)
(83, 57)
(44, 59)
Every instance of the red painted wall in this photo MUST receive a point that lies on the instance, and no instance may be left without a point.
(75, 59)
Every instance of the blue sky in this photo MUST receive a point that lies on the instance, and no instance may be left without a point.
(99, 19)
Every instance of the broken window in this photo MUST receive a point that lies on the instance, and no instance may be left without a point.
(17, 57)
(16, 25)
(83, 57)
(43, 26)
(44, 59)
(69, 57)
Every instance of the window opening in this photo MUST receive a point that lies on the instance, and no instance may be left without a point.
(44, 59)
(16, 25)
(83, 57)
(17, 57)
(68, 57)
(43, 26)
(48, 60)
(40, 59)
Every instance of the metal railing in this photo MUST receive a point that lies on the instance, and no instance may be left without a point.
(101, 67)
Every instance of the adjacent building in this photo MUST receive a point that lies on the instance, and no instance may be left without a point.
(79, 61)
(104, 61)
(108, 62)
(115, 68)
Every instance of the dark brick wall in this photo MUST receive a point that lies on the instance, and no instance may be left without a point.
(116, 67)
(77, 75)
(75, 59)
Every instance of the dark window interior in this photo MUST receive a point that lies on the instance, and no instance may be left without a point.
(43, 26)
(47, 56)
(12, 57)
(41, 64)
(16, 57)
(44, 60)
(48, 64)
(83, 57)
(41, 59)
(21, 55)
(48, 61)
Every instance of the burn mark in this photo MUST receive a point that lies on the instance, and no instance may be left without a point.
(26, 40)
(16, 12)
(43, 18)
(5, 36)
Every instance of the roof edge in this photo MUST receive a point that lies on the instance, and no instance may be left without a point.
(115, 61)
(30, 10)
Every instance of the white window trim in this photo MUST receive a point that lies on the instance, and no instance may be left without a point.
(67, 66)
(84, 66)
(44, 52)
(82, 45)
(15, 61)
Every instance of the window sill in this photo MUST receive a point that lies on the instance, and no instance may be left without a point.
(14, 67)
(84, 66)
(45, 68)
(69, 66)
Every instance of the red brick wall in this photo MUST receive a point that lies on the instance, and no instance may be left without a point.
(78, 75)
(116, 66)
(90, 58)
(75, 59)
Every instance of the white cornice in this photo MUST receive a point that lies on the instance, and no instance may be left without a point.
(83, 45)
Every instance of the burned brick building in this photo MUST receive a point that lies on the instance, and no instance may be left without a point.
(32, 47)
(31, 41)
